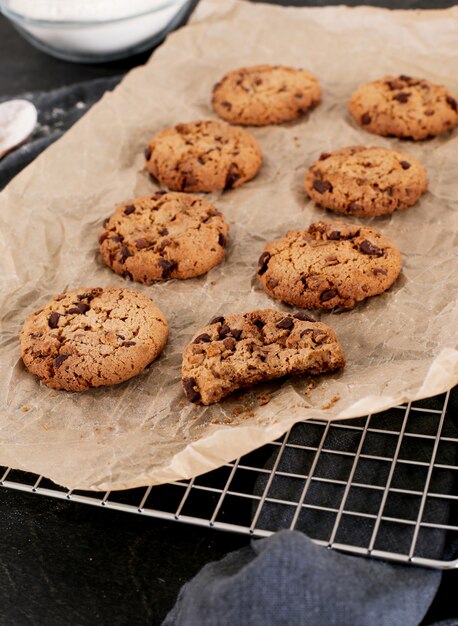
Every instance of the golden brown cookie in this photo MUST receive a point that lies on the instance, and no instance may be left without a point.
(329, 265)
(165, 235)
(403, 106)
(365, 181)
(265, 94)
(203, 156)
(237, 351)
(92, 337)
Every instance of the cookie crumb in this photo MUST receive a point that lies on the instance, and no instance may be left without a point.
(264, 398)
(331, 402)
(25, 409)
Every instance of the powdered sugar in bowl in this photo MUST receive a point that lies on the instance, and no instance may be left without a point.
(91, 31)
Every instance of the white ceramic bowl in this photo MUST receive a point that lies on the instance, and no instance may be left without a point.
(89, 38)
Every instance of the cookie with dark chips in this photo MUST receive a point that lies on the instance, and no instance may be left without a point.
(203, 156)
(92, 337)
(403, 106)
(162, 236)
(365, 182)
(241, 350)
(329, 265)
(265, 94)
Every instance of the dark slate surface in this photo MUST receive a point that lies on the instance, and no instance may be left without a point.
(64, 563)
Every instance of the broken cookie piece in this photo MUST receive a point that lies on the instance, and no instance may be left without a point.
(92, 337)
(241, 350)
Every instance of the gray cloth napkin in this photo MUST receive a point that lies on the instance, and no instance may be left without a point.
(288, 580)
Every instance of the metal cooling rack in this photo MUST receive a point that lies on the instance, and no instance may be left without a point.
(383, 486)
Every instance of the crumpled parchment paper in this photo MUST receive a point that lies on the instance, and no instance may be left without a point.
(400, 346)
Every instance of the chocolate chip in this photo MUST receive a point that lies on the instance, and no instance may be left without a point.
(226, 104)
(354, 206)
(229, 343)
(328, 294)
(452, 103)
(117, 238)
(203, 338)
(429, 112)
(188, 182)
(404, 164)
(259, 324)
(224, 331)
(53, 320)
(322, 185)
(236, 333)
(318, 336)
(162, 245)
(298, 95)
(232, 176)
(158, 194)
(163, 231)
(366, 119)
(304, 281)
(127, 344)
(147, 153)
(258, 81)
(125, 254)
(263, 263)
(332, 260)
(389, 191)
(304, 317)
(324, 156)
(201, 160)
(366, 247)
(405, 78)
(105, 222)
(79, 309)
(59, 360)
(129, 209)
(307, 331)
(393, 84)
(272, 283)
(222, 240)
(217, 320)
(379, 270)
(286, 323)
(402, 97)
(141, 243)
(167, 267)
(334, 235)
(89, 295)
(189, 385)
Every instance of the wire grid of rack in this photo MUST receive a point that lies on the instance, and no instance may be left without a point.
(383, 486)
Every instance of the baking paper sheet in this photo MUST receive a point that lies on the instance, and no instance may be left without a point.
(400, 346)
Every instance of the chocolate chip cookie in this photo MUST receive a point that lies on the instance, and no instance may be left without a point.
(365, 182)
(92, 337)
(165, 235)
(203, 156)
(240, 350)
(403, 106)
(329, 265)
(265, 94)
